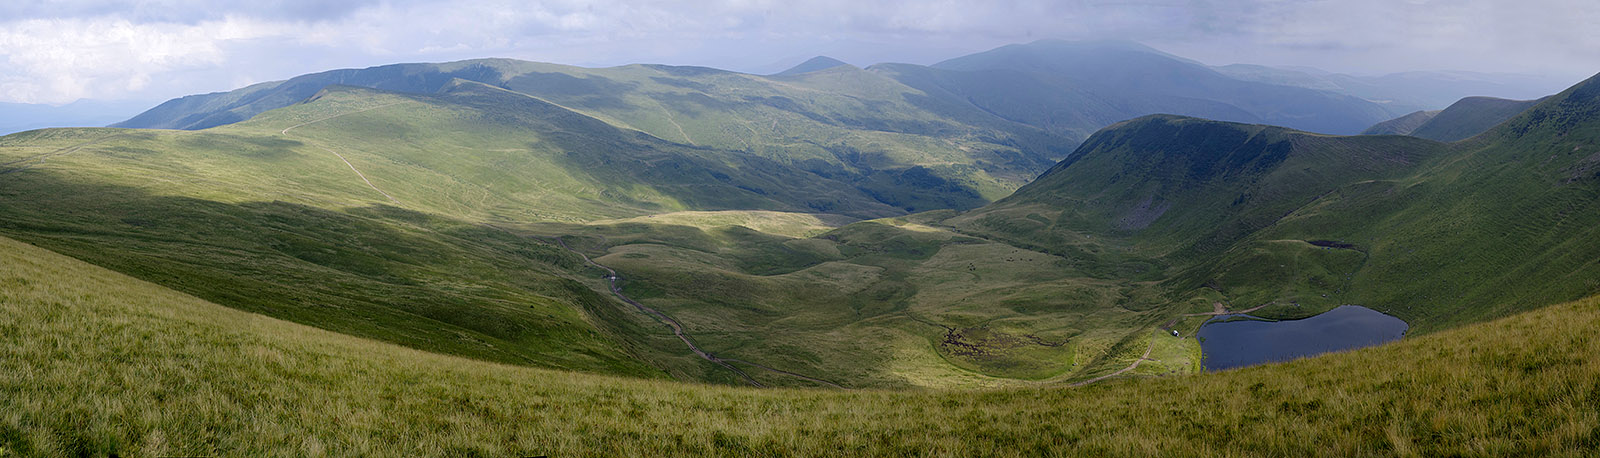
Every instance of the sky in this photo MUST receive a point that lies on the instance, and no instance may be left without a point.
(58, 51)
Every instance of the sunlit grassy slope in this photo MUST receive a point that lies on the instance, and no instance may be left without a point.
(863, 129)
(94, 363)
(276, 223)
(883, 303)
(427, 245)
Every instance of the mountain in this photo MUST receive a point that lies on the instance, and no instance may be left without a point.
(1403, 125)
(1436, 234)
(18, 117)
(1404, 92)
(813, 64)
(386, 215)
(1134, 80)
(1470, 116)
(839, 123)
(460, 213)
(958, 134)
(1184, 186)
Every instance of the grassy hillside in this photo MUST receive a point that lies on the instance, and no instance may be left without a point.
(841, 123)
(1470, 116)
(1439, 235)
(345, 200)
(1189, 187)
(98, 364)
(956, 135)
(1403, 125)
(883, 303)
(405, 218)
(271, 216)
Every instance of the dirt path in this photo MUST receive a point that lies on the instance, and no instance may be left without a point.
(359, 174)
(285, 132)
(677, 328)
(1217, 309)
(1135, 365)
(674, 122)
(1221, 309)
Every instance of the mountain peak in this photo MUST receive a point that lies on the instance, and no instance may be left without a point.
(814, 64)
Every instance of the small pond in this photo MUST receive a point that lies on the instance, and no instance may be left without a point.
(1229, 344)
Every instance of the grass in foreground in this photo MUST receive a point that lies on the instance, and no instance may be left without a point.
(95, 363)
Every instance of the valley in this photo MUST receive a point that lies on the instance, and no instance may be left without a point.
(1010, 253)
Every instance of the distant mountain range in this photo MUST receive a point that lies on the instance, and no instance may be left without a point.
(956, 134)
(1406, 92)
(1068, 89)
(812, 65)
(1464, 119)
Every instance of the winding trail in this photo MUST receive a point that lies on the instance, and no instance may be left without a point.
(1217, 309)
(285, 132)
(677, 329)
(1135, 365)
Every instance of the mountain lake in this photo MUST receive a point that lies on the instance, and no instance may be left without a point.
(1251, 341)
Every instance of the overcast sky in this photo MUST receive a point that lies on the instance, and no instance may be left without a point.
(63, 50)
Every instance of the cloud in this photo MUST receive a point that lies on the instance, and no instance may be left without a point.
(61, 60)
(57, 51)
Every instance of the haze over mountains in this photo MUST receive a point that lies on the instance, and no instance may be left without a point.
(17, 117)
(1404, 92)
(1084, 86)
(983, 124)
(467, 242)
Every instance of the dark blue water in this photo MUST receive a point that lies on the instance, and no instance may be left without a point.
(1244, 343)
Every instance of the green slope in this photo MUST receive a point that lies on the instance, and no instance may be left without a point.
(1470, 116)
(1403, 125)
(1499, 226)
(1153, 218)
(370, 213)
(1439, 235)
(268, 216)
(93, 363)
(890, 303)
(1172, 185)
(841, 122)
(956, 135)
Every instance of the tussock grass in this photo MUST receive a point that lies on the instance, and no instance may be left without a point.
(94, 363)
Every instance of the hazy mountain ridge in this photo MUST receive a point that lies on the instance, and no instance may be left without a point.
(1223, 194)
(811, 65)
(1407, 91)
(1469, 117)
(1403, 125)
(1140, 81)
